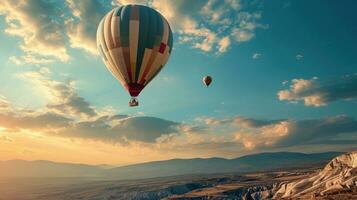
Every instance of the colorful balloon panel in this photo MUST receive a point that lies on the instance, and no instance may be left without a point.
(135, 43)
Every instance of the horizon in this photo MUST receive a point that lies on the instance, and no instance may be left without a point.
(203, 158)
(281, 83)
(171, 159)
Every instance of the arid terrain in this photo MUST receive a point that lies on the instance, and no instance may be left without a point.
(221, 186)
(335, 180)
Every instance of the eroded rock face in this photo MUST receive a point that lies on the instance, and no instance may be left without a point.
(340, 174)
(259, 192)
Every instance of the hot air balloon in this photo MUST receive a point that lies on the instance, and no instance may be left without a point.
(207, 80)
(135, 42)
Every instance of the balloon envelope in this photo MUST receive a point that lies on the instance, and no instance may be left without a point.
(207, 80)
(135, 43)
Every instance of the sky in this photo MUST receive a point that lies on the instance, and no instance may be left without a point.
(284, 79)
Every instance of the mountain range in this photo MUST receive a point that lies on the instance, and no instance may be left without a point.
(173, 167)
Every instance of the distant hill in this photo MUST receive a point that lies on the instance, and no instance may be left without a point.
(42, 168)
(254, 162)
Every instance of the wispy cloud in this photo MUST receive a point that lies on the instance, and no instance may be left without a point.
(38, 25)
(208, 25)
(238, 120)
(30, 59)
(319, 93)
(62, 95)
(49, 28)
(82, 25)
(299, 57)
(224, 43)
(256, 56)
(5, 138)
(4, 104)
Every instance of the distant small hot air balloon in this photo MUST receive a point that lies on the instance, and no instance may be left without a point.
(135, 42)
(207, 80)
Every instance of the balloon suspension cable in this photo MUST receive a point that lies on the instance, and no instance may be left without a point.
(133, 102)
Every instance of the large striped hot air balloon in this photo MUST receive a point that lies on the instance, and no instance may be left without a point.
(135, 43)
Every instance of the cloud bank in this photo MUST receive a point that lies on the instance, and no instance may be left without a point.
(69, 115)
(271, 134)
(314, 92)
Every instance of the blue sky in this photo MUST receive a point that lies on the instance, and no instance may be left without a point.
(277, 67)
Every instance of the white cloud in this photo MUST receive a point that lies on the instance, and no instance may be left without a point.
(267, 134)
(38, 25)
(256, 56)
(285, 82)
(300, 87)
(242, 35)
(208, 25)
(316, 93)
(203, 38)
(299, 57)
(30, 59)
(224, 43)
(82, 26)
(214, 10)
